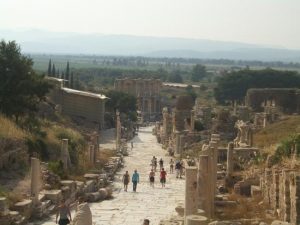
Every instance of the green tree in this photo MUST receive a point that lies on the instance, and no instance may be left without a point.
(175, 77)
(191, 92)
(21, 89)
(49, 67)
(67, 75)
(53, 72)
(72, 80)
(234, 86)
(198, 73)
(120, 101)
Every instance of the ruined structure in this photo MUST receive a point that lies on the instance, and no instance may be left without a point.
(286, 100)
(147, 92)
(75, 103)
(244, 136)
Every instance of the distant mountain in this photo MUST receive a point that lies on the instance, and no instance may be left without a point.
(37, 41)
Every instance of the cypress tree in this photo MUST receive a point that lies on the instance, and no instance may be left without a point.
(71, 81)
(67, 77)
(49, 68)
(53, 70)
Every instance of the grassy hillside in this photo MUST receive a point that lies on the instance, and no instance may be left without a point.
(274, 133)
(8, 129)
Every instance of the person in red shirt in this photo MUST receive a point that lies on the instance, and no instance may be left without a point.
(163, 175)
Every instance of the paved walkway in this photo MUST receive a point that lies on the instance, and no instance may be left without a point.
(130, 208)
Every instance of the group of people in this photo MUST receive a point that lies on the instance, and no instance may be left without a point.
(135, 179)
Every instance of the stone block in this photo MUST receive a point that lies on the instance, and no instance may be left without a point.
(55, 196)
(277, 222)
(103, 193)
(196, 220)
(69, 183)
(66, 192)
(91, 176)
(24, 208)
(255, 190)
(3, 207)
(90, 186)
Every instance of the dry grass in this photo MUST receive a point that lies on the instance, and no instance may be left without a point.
(274, 133)
(8, 129)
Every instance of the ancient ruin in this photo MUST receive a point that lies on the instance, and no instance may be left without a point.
(147, 92)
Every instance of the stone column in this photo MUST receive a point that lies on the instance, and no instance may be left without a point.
(65, 157)
(192, 121)
(264, 120)
(118, 131)
(92, 155)
(191, 197)
(3, 207)
(204, 189)
(35, 180)
(230, 159)
(196, 220)
(177, 143)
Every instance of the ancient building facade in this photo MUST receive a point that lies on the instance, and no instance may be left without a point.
(286, 100)
(86, 105)
(147, 92)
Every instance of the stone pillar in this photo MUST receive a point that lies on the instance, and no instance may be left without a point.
(3, 207)
(118, 131)
(230, 159)
(92, 155)
(192, 121)
(35, 180)
(196, 220)
(191, 197)
(204, 190)
(65, 157)
(177, 143)
(264, 120)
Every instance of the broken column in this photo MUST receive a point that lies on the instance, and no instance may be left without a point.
(35, 180)
(191, 200)
(196, 220)
(204, 189)
(118, 131)
(177, 143)
(65, 157)
(230, 159)
(3, 206)
(92, 155)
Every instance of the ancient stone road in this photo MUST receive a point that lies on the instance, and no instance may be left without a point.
(129, 208)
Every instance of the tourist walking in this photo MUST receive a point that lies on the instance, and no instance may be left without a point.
(131, 145)
(125, 180)
(161, 163)
(171, 165)
(135, 179)
(154, 163)
(64, 214)
(178, 168)
(152, 178)
(163, 175)
(181, 168)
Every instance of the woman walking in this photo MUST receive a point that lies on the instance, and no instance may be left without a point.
(163, 175)
(125, 179)
(152, 178)
(64, 214)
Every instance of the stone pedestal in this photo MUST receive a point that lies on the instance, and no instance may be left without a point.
(3, 207)
(191, 197)
(196, 220)
(35, 180)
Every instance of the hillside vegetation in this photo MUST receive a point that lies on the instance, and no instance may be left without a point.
(274, 133)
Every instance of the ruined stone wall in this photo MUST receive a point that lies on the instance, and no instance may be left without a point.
(281, 190)
(147, 92)
(90, 108)
(287, 100)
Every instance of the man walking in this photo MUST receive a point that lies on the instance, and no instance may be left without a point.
(146, 222)
(135, 179)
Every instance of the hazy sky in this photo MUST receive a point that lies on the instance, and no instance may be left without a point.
(271, 22)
